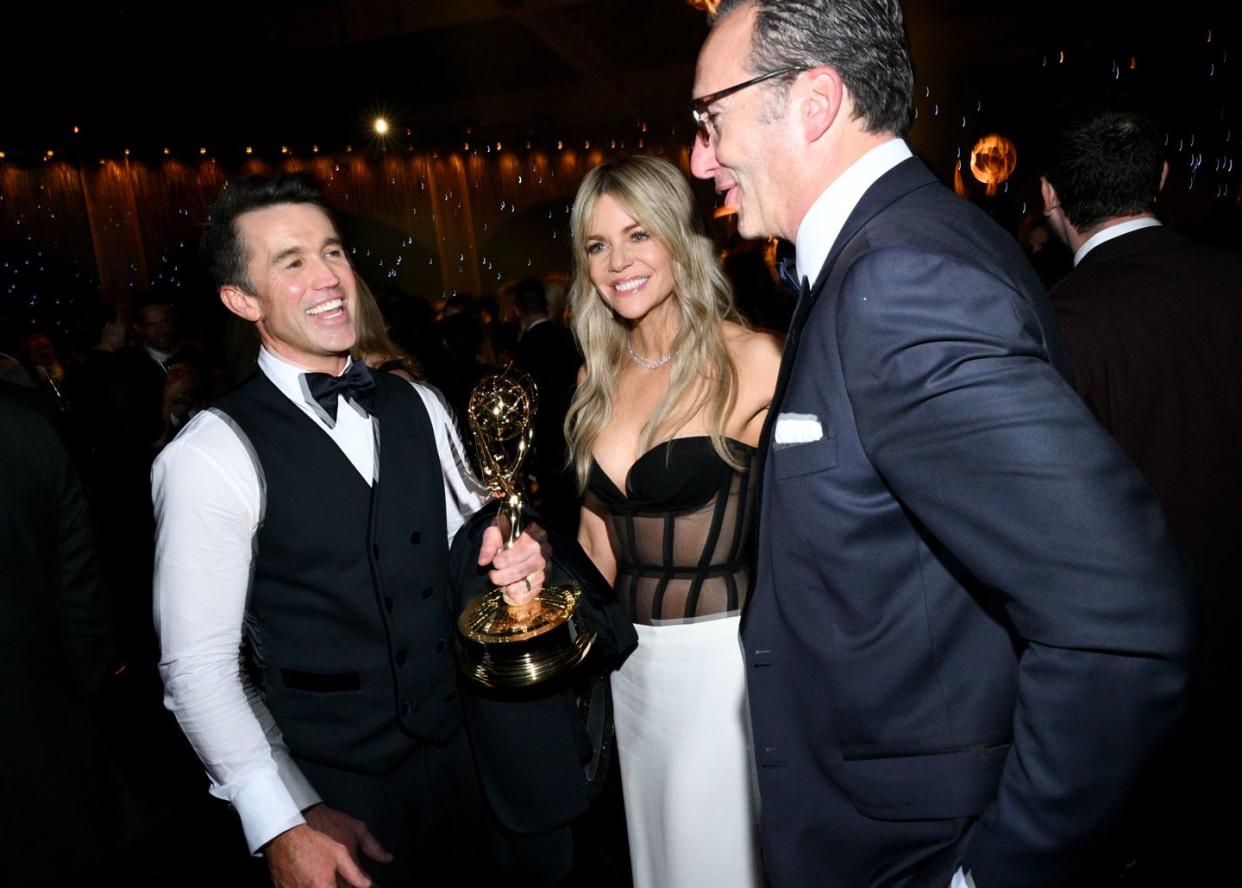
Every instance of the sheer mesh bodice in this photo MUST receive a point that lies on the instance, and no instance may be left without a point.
(681, 530)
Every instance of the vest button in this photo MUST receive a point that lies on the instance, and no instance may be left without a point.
(428, 592)
(388, 603)
(375, 549)
(402, 656)
(416, 537)
(407, 707)
(441, 645)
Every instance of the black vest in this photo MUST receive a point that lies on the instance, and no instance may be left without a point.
(349, 621)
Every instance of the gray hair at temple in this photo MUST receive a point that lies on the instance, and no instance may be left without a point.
(864, 41)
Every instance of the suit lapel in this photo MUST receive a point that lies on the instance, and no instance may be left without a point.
(907, 176)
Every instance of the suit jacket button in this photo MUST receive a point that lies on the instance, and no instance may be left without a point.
(416, 537)
(407, 707)
(450, 696)
(388, 603)
(428, 592)
(375, 549)
(402, 656)
(441, 645)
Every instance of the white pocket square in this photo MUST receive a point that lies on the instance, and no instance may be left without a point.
(797, 428)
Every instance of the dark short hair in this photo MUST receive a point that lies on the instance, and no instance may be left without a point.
(222, 246)
(864, 41)
(530, 297)
(147, 299)
(1104, 158)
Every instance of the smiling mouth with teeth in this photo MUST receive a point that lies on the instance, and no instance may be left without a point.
(325, 307)
(631, 284)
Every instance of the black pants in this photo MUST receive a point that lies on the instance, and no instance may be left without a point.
(428, 813)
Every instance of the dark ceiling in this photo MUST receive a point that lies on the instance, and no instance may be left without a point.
(231, 73)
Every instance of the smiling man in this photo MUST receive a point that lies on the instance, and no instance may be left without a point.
(301, 586)
(970, 629)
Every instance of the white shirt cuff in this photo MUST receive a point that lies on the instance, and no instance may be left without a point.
(268, 806)
(962, 880)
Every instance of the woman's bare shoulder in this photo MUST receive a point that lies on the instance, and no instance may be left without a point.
(753, 351)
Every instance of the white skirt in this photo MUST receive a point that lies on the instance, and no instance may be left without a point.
(683, 741)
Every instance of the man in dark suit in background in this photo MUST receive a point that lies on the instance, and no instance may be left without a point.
(548, 353)
(64, 810)
(1153, 325)
(970, 631)
(160, 379)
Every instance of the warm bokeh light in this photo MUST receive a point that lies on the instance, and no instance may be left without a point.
(381, 126)
(993, 160)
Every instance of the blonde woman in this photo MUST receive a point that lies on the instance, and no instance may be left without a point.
(662, 432)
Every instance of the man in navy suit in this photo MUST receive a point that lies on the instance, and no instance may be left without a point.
(970, 628)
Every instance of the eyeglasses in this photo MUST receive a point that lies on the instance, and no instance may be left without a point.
(698, 107)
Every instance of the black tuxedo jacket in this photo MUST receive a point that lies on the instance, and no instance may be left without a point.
(970, 629)
(531, 747)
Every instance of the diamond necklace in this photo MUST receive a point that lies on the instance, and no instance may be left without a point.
(646, 362)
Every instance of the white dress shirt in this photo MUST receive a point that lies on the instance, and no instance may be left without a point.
(818, 233)
(821, 226)
(209, 502)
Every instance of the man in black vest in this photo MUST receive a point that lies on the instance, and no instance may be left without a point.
(301, 579)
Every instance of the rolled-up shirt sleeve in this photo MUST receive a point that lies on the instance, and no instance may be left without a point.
(208, 501)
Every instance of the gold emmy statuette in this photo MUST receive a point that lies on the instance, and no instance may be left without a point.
(505, 646)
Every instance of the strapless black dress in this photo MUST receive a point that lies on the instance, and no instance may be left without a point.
(681, 531)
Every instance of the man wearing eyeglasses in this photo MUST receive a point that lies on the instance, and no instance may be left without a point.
(970, 629)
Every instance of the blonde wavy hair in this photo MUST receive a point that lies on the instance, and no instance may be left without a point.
(373, 346)
(655, 194)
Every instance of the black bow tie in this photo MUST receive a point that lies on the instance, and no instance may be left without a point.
(356, 383)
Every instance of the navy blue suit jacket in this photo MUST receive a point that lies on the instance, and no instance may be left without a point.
(970, 629)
